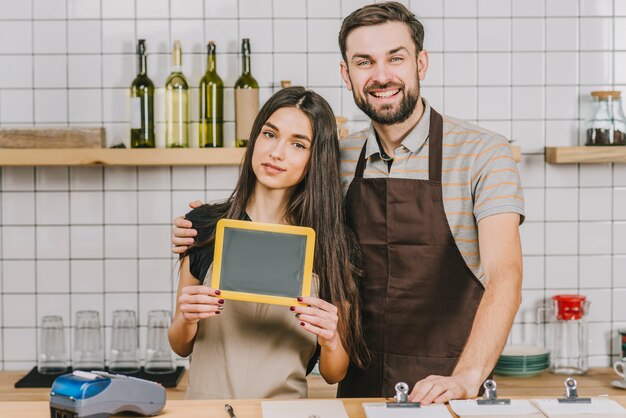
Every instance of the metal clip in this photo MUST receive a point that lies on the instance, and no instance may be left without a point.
(571, 394)
(490, 397)
(402, 397)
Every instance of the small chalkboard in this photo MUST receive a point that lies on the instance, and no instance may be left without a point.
(259, 262)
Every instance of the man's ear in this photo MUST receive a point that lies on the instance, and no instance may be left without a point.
(422, 64)
(345, 74)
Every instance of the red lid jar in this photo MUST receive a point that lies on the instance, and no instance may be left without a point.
(569, 307)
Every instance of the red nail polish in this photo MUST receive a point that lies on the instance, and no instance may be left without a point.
(220, 301)
(302, 323)
(217, 312)
(299, 298)
(218, 292)
(292, 308)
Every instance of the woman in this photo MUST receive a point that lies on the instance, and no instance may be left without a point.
(290, 175)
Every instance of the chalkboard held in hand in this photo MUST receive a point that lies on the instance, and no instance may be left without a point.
(265, 263)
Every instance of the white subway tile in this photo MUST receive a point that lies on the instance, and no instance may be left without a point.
(120, 178)
(154, 178)
(528, 7)
(561, 102)
(259, 31)
(217, 196)
(460, 35)
(154, 207)
(528, 34)
(620, 33)
(600, 335)
(116, 105)
(50, 71)
(530, 135)
(59, 305)
(216, 9)
(181, 200)
(156, 276)
(52, 178)
(619, 307)
(50, 37)
(352, 111)
(151, 9)
(190, 34)
(323, 9)
(87, 242)
(16, 71)
(494, 34)
(561, 175)
(333, 96)
(501, 127)
(619, 271)
(534, 272)
(620, 67)
(427, 8)
(119, 71)
(348, 6)
(49, 9)
(17, 242)
(120, 207)
(51, 106)
(596, 68)
(52, 242)
(262, 68)
(561, 8)
(18, 311)
(20, 344)
(533, 238)
(18, 276)
(186, 8)
(157, 36)
(290, 35)
(289, 8)
(561, 272)
(87, 276)
(322, 35)
(85, 105)
(84, 36)
(595, 175)
(291, 67)
(226, 37)
(494, 8)
(18, 208)
(531, 300)
(596, 7)
(619, 204)
(528, 68)
(16, 106)
(187, 178)
(18, 178)
(83, 9)
(120, 241)
(460, 8)
(528, 102)
(120, 276)
(596, 33)
(532, 171)
(324, 70)
(53, 276)
(494, 68)
(151, 302)
(561, 133)
(619, 238)
(460, 102)
(534, 200)
(460, 69)
(494, 103)
(117, 301)
(118, 9)
(433, 34)
(595, 271)
(16, 37)
(595, 204)
(52, 208)
(619, 7)
(561, 34)
(561, 238)
(562, 68)
(255, 8)
(155, 241)
(118, 36)
(595, 238)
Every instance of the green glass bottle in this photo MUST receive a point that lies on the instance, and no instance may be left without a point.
(177, 104)
(142, 103)
(246, 98)
(211, 104)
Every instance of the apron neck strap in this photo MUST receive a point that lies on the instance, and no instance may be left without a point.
(435, 135)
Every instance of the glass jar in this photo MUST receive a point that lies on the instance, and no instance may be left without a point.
(606, 124)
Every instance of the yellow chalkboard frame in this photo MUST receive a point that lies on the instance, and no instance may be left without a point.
(223, 224)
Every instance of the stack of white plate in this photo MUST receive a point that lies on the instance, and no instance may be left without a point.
(522, 361)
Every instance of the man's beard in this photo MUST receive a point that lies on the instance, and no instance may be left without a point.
(386, 115)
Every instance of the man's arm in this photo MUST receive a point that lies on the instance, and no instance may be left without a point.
(501, 258)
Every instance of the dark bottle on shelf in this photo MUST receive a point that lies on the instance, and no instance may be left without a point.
(246, 98)
(142, 103)
(211, 104)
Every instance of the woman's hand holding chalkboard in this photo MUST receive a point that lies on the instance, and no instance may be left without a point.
(319, 318)
(199, 302)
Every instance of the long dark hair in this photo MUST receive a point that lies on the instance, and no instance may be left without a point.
(316, 202)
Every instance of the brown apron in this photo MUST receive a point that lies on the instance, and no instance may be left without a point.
(419, 296)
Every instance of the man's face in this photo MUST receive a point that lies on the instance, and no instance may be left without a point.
(383, 72)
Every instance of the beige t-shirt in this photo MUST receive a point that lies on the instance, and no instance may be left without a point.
(250, 351)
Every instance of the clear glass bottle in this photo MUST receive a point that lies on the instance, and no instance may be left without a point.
(568, 336)
(246, 98)
(606, 124)
(211, 104)
(177, 103)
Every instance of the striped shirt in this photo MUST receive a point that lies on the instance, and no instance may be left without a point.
(479, 174)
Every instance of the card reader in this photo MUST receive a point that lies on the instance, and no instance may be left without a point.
(100, 394)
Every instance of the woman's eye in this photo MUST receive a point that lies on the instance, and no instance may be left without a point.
(269, 134)
(299, 145)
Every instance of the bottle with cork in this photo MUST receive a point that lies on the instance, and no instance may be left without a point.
(177, 103)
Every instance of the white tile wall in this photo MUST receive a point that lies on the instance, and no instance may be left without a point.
(90, 237)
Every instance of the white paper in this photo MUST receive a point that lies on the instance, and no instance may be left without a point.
(517, 408)
(303, 408)
(597, 408)
(380, 410)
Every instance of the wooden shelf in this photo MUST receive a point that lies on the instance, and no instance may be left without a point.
(586, 155)
(121, 157)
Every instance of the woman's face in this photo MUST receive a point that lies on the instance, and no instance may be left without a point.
(282, 149)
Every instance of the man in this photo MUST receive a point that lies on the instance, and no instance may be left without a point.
(436, 204)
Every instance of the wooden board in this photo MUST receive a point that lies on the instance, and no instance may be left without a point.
(586, 155)
(52, 138)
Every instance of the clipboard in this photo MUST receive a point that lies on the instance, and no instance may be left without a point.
(261, 262)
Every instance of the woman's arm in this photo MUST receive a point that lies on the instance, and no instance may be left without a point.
(193, 303)
(321, 318)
